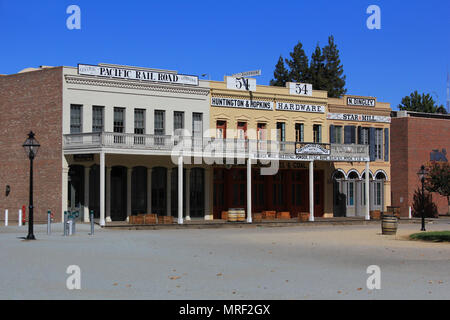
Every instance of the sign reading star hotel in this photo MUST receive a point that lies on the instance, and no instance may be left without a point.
(136, 74)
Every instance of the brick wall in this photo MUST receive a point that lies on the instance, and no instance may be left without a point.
(413, 139)
(31, 101)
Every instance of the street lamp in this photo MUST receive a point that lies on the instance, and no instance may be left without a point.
(422, 173)
(31, 147)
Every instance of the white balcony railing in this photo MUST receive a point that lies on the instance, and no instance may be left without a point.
(217, 147)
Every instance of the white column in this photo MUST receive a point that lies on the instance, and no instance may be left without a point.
(86, 194)
(149, 190)
(188, 194)
(108, 194)
(6, 217)
(367, 192)
(249, 190)
(129, 173)
(180, 190)
(169, 191)
(311, 191)
(102, 189)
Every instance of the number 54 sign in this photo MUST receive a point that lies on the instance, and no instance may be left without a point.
(302, 89)
(245, 84)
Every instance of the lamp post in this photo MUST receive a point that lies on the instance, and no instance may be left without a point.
(31, 147)
(422, 173)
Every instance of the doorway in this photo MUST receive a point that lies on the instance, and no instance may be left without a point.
(118, 193)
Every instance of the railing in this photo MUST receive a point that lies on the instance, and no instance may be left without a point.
(217, 147)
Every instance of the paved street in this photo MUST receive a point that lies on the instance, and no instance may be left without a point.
(323, 262)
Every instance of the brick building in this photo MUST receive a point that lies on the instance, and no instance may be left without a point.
(417, 139)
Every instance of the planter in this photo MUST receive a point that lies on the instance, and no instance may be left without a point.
(138, 219)
(165, 219)
(257, 217)
(150, 219)
(284, 215)
(303, 216)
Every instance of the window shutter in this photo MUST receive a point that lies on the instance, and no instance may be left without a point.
(353, 134)
(372, 144)
(332, 134)
(347, 135)
(386, 144)
(359, 135)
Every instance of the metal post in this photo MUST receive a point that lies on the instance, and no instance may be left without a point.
(410, 213)
(30, 215)
(49, 222)
(249, 190)
(20, 217)
(423, 205)
(65, 223)
(6, 217)
(311, 191)
(91, 215)
(74, 218)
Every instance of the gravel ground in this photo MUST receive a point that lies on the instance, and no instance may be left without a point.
(324, 262)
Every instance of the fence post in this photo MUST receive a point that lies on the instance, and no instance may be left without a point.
(91, 216)
(20, 217)
(410, 213)
(49, 222)
(65, 223)
(6, 217)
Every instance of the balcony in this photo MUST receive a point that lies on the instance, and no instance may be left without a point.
(211, 147)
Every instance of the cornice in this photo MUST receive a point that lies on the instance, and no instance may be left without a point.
(131, 84)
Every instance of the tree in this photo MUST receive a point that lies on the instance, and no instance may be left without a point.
(334, 70)
(420, 103)
(317, 70)
(281, 74)
(298, 65)
(438, 180)
(423, 202)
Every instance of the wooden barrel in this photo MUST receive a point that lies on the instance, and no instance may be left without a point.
(233, 215)
(389, 225)
(241, 215)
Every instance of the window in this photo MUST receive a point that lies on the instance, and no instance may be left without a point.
(159, 127)
(242, 130)
(317, 133)
(261, 134)
(197, 125)
(378, 193)
(221, 129)
(378, 144)
(119, 120)
(178, 122)
(299, 132)
(139, 121)
(97, 119)
(351, 193)
(364, 136)
(75, 118)
(337, 132)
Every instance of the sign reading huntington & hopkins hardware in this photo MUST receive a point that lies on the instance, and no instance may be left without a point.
(241, 103)
(300, 107)
(357, 117)
(136, 74)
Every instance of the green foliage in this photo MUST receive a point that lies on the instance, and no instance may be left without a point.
(438, 236)
(324, 72)
(423, 202)
(421, 103)
(281, 74)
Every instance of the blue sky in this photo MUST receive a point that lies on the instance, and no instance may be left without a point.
(410, 52)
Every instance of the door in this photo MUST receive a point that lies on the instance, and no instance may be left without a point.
(221, 129)
(299, 194)
(339, 199)
(219, 193)
(118, 194)
(159, 191)
(318, 194)
(197, 188)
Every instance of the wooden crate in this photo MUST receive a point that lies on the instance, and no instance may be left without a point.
(150, 219)
(165, 219)
(224, 215)
(269, 215)
(375, 215)
(257, 217)
(139, 219)
(131, 219)
(303, 216)
(283, 215)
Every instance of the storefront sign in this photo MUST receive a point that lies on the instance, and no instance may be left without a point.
(241, 103)
(300, 89)
(244, 84)
(303, 148)
(358, 117)
(364, 102)
(83, 157)
(300, 107)
(135, 74)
